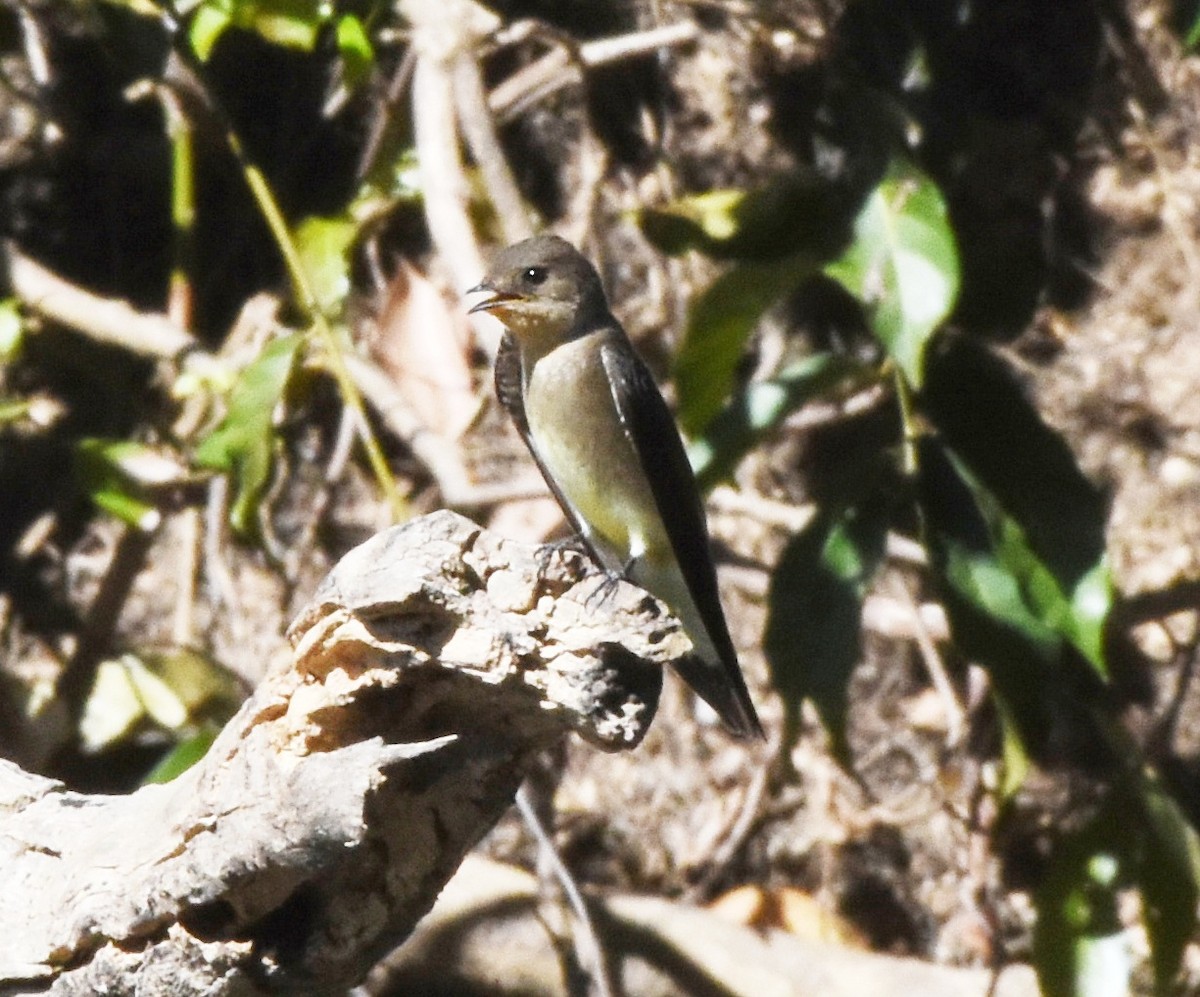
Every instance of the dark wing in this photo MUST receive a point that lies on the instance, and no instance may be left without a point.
(511, 393)
(656, 440)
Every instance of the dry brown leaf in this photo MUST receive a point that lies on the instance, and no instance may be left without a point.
(423, 344)
(786, 909)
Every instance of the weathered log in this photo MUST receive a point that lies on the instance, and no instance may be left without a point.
(431, 667)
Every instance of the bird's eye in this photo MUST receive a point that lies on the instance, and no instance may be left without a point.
(536, 275)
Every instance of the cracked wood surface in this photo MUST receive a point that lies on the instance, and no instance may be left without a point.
(432, 665)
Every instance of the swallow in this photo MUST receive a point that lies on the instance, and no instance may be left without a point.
(604, 439)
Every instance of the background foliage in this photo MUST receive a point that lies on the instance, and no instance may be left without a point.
(905, 212)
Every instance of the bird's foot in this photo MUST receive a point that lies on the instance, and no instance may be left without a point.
(608, 585)
(551, 549)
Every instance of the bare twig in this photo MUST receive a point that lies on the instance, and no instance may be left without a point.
(129, 555)
(479, 130)
(955, 714)
(443, 31)
(444, 462)
(589, 939)
(739, 832)
(561, 67)
(107, 320)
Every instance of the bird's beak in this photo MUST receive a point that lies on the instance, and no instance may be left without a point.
(498, 299)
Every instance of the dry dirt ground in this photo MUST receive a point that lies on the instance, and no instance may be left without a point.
(896, 854)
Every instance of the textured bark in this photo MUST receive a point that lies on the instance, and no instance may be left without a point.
(433, 664)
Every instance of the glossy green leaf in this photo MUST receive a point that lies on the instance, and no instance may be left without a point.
(127, 507)
(113, 706)
(813, 633)
(1078, 617)
(759, 409)
(183, 756)
(1138, 838)
(903, 266)
(171, 691)
(208, 24)
(287, 23)
(243, 444)
(1079, 946)
(991, 618)
(203, 687)
(719, 324)
(1006, 611)
(1046, 519)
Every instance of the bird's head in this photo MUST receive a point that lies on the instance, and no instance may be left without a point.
(543, 290)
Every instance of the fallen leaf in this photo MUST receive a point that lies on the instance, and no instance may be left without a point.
(423, 345)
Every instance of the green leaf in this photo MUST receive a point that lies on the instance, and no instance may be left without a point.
(719, 324)
(208, 24)
(758, 409)
(1078, 617)
(1047, 519)
(183, 756)
(793, 213)
(324, 245)
(243, 444)
(112, 708)
(117, 476)
(14, 410)
(354, 46)
(813, 633)
(288, 23)
(1168, 873)
(1079, 947)
(12, 330)
(903, 266)
(700, 220)
(1014, 757)
(1192, 39)
(992, 620)
(202, 686)
(1139, 837)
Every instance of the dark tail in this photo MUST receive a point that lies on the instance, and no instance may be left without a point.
(725, 691)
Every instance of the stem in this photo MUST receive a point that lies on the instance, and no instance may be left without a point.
(318, 323)
(183, 211)
(908, 418)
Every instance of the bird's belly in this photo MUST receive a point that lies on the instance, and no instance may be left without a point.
(580, 438)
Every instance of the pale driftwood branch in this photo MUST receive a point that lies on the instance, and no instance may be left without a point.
(107, 320)
(155, 335)
(479, 131)
(442, 32)
(432, 665)
(485, 927)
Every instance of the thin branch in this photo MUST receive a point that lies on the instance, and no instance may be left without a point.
(106, 320)
(564, 65)
(479, 130)
(589, 938)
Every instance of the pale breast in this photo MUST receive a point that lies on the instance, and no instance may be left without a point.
(579, 436)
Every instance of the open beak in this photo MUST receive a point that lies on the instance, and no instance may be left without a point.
(498, 299)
